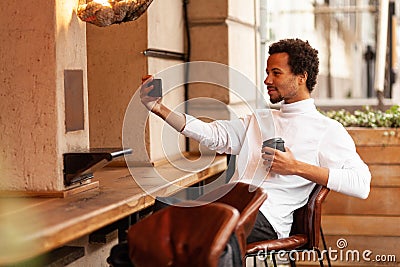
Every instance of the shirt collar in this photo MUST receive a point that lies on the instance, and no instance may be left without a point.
(302, 106)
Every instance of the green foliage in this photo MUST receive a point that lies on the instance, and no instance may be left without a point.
(367, 117)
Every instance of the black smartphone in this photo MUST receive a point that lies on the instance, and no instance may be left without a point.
(157, 90)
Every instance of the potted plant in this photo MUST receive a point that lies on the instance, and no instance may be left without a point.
(375, 132)
(367, 117)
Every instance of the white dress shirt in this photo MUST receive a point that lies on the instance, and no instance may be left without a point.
(312, 138)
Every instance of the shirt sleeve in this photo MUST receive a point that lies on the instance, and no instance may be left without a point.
(348, 174)
(221, 135)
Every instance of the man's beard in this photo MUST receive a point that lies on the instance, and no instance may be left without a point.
(277, 99)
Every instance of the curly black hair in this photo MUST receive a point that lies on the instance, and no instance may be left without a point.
(302, 58)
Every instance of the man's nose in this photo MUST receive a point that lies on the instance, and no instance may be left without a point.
(267, 80)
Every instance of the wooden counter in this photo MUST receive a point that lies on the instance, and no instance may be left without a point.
(33, 226)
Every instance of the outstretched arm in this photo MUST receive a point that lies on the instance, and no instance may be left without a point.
(221, 136)
(175, 119)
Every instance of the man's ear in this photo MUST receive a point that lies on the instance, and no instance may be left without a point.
(303, 77)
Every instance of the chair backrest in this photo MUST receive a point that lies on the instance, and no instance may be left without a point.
(246, 198)
(182, 235)
(307, 219)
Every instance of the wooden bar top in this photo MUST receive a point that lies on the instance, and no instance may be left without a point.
(32, 226)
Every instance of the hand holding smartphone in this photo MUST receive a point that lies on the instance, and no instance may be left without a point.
(157, 89)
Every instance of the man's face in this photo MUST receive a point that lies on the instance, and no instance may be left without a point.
(281, 83)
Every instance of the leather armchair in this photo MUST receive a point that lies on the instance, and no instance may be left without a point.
(305, 232)
(246, 198)
(182, 236)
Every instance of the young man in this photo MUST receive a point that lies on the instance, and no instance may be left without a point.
(318, 149)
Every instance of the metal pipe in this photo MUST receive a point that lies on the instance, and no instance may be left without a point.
(164, 54)
(264, 36)
(391, 45)
(381, 43)
(187, 60)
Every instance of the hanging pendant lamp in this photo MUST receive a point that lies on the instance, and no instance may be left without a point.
(106, 12)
